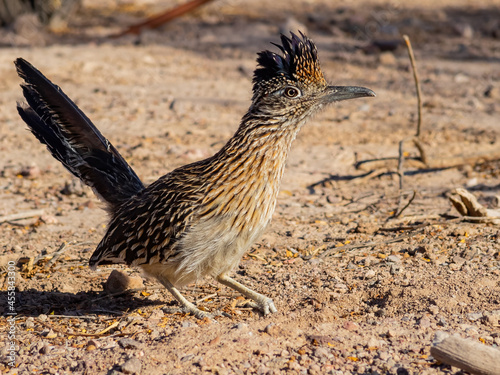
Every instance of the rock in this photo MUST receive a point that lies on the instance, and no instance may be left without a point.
(393, 259)
(464, 30)
(273, 330)
(321, 352)
(351, 326)
(119, 282)
(424, 323)
(128, 343)
(369, 274)
(387, 58)
(474, 316)
(240, 326)
(492, 320)
(492, 92)
(132, 366)
(30, 172)
(368, 228)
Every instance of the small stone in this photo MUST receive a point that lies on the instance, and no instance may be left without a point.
(30, 172)
(332, 199)
(132, 366)
(393, 259)
(49, 219)
(128, 343)
(351, 326)
(491, 92)
(373, 343)
(474, 316)
(433, 309)
(273, 330)
(42, 317)
(95, 343)
(215, 341)
(367, 228)
(391, 333)
(240, 326)
(464, 30)
(369, 274)
(387, 58)
(321, 352)
(119, 282)
(424, 323)
(51, 334)
(493, 320)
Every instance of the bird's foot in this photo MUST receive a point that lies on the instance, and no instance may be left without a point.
(265, 305)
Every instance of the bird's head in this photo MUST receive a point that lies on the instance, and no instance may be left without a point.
(291, 85)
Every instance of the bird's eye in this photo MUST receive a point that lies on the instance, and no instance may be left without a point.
(292, 92)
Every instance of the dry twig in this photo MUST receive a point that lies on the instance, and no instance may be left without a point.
(467, 355)
(21, 215)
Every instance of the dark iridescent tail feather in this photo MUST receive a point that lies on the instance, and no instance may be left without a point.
(73, 140)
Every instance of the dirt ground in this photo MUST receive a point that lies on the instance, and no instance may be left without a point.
(175, 95)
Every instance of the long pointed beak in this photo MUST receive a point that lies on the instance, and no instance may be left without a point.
(337, 93)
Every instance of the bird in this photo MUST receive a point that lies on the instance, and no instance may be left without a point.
(199, 219)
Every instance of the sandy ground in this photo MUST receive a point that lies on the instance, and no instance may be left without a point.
(173, 96)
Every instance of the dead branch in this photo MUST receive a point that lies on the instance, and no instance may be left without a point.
(417, 83)
(431, 164)
(162, 18)
(21, 215)
(467, 355)
(468, 206)
(370, 244)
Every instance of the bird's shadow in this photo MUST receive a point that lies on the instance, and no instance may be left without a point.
(33, 302)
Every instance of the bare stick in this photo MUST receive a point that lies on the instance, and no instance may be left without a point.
(371, 243)
(21, 215)
(164, 17)
(467, 355)
(440, 162)
(398, 214)
(56, 255)
(417, 83)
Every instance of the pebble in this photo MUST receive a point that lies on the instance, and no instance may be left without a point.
(474, 316)
(128, 343)
(272, 329)
(119, 282)
(369, 274)
(320, 352)
(30, 172)
(240, 326)
(42, 317)
(351, 326)
(424, 323)
(393, 259)
(387, 58)
(132, 366)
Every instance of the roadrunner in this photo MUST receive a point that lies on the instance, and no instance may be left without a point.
(199, 219)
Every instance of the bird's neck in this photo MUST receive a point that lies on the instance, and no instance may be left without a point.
(246, 179)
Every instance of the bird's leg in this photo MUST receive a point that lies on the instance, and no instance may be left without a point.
(261, 302)
(186, 305)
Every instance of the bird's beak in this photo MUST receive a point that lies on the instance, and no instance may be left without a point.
(338, 93)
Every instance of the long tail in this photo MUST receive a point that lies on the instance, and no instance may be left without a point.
(73, 140)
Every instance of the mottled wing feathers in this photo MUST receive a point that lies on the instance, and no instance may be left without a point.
(72, 138)
(298, 62)
(145, 229)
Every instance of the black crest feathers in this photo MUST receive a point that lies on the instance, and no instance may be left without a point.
(298, 62)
